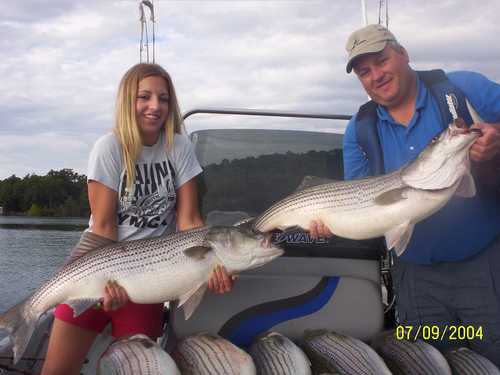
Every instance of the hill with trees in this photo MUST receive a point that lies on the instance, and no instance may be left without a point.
(58, 193)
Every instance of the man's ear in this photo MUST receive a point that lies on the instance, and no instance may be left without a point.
(403, 52)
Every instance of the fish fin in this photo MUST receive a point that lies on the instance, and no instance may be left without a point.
(81, 305)
(88, 243)
(312, 181)
(467, 187)
(399, 237)
(391, 196)
(245, 223)
(189, 301)
(197, 252)
(20, 325)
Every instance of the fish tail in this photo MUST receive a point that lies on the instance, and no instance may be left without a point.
(20, 324)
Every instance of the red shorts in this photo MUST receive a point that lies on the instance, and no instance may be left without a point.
(128, 320)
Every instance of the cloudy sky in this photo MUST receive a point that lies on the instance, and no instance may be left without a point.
(60, 61)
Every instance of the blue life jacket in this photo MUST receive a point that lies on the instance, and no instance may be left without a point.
(366, 119)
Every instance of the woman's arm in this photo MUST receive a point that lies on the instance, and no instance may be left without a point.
(188, 217)
(188, 214)
(103, 202)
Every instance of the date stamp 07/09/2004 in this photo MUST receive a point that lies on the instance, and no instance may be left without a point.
(439, 332)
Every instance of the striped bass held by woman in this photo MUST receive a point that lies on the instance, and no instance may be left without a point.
(153, 270)
(389, 205)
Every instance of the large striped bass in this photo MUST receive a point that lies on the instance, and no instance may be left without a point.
(389, 205)
(464, 361)
(173, 267)
(275, 354)
(414, 357)
(208, 354)
(334, 353)
(136, 355)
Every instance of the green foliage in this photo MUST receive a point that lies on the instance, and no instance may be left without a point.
(59, 193)
(252, 184)
(35, 210)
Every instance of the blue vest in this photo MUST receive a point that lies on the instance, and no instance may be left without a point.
(480, 214)
(366, 120)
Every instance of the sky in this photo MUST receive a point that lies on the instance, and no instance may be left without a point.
(61, 61)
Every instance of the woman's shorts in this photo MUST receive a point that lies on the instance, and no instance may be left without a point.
(128, 320)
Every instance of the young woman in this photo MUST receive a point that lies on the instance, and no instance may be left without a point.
(140, 184)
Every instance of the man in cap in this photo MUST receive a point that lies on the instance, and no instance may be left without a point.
(450, 273)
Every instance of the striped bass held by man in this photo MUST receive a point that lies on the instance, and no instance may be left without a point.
(334, 353)
(208, 354)
(153, 270)
(405, 357)
(389, 205)
(134, 355)
(464, 361)
(275, 354)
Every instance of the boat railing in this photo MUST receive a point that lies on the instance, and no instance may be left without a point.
(268, 113)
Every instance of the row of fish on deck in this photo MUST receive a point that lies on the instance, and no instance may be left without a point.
(319, 353)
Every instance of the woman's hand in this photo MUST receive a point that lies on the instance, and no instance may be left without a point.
(115, 296)
(318, 229)
(220, 281)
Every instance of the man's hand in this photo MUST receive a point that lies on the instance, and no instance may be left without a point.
(486, 146)
(220, 281)
(114, 296)
(318, 229)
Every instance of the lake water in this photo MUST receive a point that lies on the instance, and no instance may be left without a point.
(31, 250)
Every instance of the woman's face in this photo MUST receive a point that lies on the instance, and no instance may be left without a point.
(151, 108)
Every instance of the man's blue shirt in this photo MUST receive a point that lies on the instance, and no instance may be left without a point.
(465, 225)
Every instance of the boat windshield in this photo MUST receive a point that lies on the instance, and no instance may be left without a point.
(247, 170)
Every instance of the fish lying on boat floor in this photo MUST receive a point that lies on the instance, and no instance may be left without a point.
(464, 361)
(334, 353)
(167, 268)
(275, 354)
(405, 357)
(207, 354)
(134, 355)
(389, 205)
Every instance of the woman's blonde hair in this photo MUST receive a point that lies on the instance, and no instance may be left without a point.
(126, 128)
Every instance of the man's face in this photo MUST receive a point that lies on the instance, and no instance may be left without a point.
(385, 75)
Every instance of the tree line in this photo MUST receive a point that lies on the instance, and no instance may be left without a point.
(252, 184)
(58, 193)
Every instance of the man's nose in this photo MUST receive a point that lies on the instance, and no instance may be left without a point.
(377, 73)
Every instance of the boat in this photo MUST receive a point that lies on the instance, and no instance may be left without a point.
(252, 158)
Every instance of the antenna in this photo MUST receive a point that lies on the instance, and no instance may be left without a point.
(383, 14)
(363, 12)
(144, 45)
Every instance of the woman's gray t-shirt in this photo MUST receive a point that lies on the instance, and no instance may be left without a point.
(149, 209)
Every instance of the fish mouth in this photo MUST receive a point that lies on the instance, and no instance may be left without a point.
(266, 242)
(269, 246)
(477, 131)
